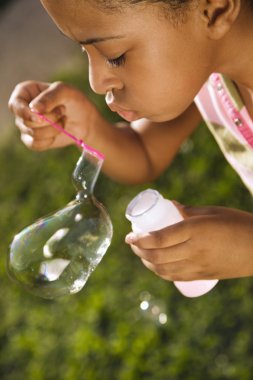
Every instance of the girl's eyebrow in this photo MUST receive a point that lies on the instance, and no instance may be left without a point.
(90, 41)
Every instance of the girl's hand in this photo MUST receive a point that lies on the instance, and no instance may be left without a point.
(60, 103)
(211, 243)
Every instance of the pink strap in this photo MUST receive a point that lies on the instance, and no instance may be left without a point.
(228, 106)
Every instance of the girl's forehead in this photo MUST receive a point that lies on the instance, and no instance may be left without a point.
(79, 6)
(99, 8)
(71, 15)
(75, 17)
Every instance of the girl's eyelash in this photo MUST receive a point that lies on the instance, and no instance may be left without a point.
(116, 62)
(113, 62)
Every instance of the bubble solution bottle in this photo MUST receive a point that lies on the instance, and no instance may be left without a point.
(149, 211)
(57, 254)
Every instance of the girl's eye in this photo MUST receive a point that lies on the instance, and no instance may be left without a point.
(116, 62)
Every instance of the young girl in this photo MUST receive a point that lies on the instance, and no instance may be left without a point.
(154, 62)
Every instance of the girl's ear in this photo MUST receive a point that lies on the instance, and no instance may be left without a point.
(219, 16)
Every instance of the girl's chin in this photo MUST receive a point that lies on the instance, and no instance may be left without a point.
(162, 117)
(154, 117)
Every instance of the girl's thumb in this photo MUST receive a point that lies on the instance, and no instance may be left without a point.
(49, 99)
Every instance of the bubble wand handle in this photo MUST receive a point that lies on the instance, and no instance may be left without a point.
(75, 139)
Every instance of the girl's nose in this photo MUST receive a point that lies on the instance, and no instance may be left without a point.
(102, 79)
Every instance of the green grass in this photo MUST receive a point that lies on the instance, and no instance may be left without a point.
(101, 332)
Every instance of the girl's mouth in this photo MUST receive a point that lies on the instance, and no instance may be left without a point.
(127, 115)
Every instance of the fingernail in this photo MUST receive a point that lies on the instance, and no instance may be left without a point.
(27, 140)
(131, 238)
(36, 106)
(33, 109)
(35, 117)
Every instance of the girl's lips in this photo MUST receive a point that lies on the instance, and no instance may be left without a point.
(128, 115)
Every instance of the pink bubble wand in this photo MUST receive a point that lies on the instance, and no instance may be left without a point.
(79, 142)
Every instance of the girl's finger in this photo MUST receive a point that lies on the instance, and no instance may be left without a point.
(161, 256)
(50, 99)
(176, 271)
(166, 237)
(46, 132)
(27, 140)
(46, 119)
(37, 145)
(189, 211)
(21, 109)
(22, 95)
(23, 127)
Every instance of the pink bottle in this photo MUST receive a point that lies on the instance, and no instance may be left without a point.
(149, 211)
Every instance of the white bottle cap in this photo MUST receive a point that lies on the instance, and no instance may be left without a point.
(149, 211)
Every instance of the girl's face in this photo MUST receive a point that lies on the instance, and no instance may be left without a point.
(147, 66)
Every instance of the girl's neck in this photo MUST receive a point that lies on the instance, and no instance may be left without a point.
(235, 56)
(237, 52)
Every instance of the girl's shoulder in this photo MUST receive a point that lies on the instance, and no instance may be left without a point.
(221, 104)
(225, 114)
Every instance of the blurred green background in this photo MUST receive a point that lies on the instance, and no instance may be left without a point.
(102, 332)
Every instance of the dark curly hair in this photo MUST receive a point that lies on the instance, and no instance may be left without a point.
(177, 5)
(170, 4)
(175, 10)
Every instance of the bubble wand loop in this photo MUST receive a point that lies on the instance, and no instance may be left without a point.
(79, 142)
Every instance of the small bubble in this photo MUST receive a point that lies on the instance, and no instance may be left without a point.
(163, 318)
(144, 305)
(155, 310)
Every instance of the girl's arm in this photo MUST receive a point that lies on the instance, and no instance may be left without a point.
(139, 152)
(134, 153)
